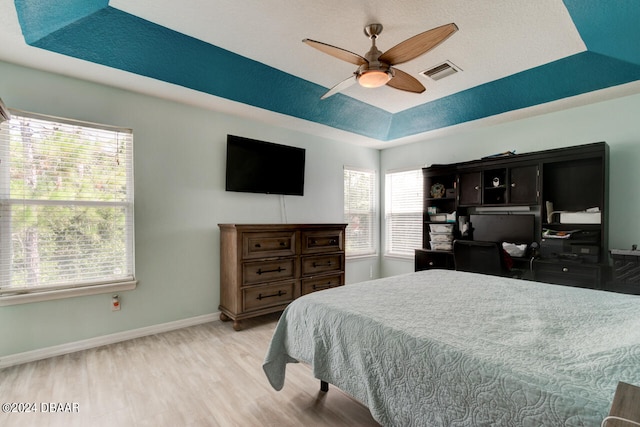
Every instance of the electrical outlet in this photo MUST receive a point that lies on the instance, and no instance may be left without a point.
(115, 303)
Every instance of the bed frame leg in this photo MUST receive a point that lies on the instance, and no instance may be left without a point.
(324, 386)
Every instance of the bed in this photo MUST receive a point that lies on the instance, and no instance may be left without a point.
(450, 348)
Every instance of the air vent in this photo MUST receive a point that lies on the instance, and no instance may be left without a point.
(441, 71)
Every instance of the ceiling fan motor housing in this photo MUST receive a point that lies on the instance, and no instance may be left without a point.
(373, 30)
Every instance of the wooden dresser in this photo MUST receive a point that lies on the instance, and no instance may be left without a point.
(263, 267)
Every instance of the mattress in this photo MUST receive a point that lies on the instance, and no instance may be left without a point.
(448, 348)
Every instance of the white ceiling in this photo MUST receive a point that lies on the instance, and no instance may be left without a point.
(488, 46)
(496, 39)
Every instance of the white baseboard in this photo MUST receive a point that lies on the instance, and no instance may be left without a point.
(58, 350)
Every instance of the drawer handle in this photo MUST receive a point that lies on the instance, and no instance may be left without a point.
(331, 242)
(318, 287)
(565, 269)
(279, 294)
(282, 244)
(320, 264)
(277, 270)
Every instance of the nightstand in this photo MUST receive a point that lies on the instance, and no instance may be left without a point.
(626, 405)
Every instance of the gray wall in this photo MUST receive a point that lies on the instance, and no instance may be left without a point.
(179, 200)
(180, 197)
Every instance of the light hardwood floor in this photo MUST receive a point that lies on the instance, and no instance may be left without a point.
(206, 375)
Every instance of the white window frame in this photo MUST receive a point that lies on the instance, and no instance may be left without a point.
(404, 214)
(97, 284)
(368, 247)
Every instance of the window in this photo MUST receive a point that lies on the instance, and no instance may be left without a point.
(66, 205)
(359, 211)
(403, 212)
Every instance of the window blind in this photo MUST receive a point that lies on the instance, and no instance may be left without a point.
(66, 204)
(403, 212)
(359, 211)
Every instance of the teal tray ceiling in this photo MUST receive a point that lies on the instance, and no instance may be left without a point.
(96, 32)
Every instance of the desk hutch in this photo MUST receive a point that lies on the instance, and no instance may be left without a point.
(572, 179)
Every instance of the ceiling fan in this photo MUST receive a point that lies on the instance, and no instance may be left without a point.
(377, 69)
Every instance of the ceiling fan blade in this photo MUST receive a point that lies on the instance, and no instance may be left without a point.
(406, 82)
(339, 53)
(418, 45)
(340, 87)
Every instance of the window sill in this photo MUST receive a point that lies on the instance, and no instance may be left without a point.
(360, 257)
(399, 257)
(66, 293)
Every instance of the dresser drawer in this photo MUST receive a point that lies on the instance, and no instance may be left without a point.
(322, 264)
(320, 283)
(259, 297)
(322, 241)
(268, 271)
(268, 244)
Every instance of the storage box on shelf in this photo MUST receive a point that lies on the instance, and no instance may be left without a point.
(441, 237)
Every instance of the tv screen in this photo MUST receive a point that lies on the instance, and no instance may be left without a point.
(264, 167)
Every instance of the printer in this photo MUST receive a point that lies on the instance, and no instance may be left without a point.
(576, 245)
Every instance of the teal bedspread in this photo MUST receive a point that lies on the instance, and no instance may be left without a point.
(447, 348)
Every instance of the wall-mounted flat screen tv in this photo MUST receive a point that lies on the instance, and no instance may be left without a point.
(264, 167)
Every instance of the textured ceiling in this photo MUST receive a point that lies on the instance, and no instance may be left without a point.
(247, 58)
(488, 45)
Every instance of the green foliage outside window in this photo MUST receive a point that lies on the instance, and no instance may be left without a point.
(68, 204)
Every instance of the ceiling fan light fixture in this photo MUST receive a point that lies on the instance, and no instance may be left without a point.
(374, 78)
(377, 68)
